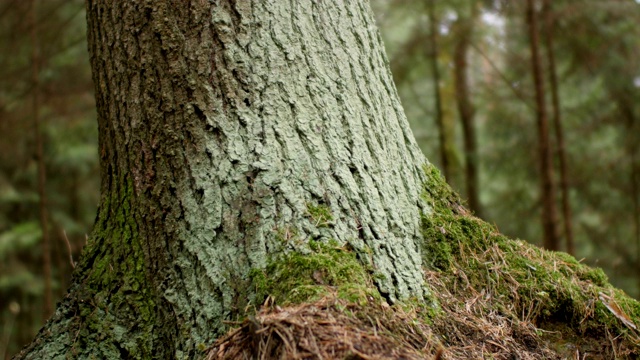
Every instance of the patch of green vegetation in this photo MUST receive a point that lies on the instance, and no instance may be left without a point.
(116, 291)
(320, 214)
(286, 237)
(523, 282)
(286, 234)
(437, 193)
(295, 278)
(448, 224)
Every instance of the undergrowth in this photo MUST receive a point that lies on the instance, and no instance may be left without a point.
(549, 291)
(497, 298)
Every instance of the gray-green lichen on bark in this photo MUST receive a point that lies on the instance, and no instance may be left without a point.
(223, 125)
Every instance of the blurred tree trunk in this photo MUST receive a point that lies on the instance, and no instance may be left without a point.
(229, 134)
(445, 145)
(625, 103)
(557, 123)
(47, 301)
(634, 177)
(464, 30)
(549, 213)
(635, 193)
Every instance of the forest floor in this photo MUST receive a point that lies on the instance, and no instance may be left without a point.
(474, 320)
(491, 298)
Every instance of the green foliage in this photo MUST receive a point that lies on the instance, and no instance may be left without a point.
(22, 280)
(20, 237)
(69, 132)
(599, 107)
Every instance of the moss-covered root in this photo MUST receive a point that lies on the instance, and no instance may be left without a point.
(550, 290)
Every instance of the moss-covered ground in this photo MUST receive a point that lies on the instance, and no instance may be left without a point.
(497, 299)
(572, 307)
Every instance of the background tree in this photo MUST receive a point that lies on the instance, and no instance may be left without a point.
(68, 135)
(598, 124)
(42, 194)
(444, 129)
(550, 238)
(502, 90)
(561, 154)
(464, 26)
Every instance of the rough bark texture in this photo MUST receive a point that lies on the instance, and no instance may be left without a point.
(231, 131)
(550, 239)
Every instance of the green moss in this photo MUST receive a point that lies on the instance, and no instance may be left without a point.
(287, 234)
(116, 292)
(523, 281)
(437, 193)
(320, 214)
(297, 278)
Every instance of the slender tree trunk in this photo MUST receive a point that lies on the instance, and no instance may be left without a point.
(632, 127)
(435, 70)
(549, 213)
(557, 123)
(464, 25)
(224, 128)
(635, 193)
(634, 175)
(47, 305)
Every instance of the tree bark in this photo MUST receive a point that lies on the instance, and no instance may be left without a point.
(223, 125)
(557, 123)
(435, 71)
(464, 26)
(547, 186)
(625, 103)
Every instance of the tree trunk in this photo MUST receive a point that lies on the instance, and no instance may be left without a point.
(435, 71)
(635, 178)
(231, 132)
(47, 299)
(466, 110)
(625, 103)
(557, 123)
(549, 212)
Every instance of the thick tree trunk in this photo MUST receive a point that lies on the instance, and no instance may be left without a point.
(547, 185)
(232, 131)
